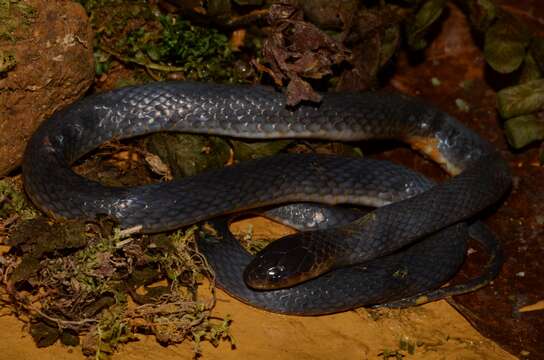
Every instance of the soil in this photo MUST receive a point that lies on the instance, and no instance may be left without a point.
(499, 311)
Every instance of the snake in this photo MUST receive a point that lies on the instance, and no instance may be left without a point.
(406, 278)
(480, 177)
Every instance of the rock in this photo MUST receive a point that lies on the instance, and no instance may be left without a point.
(50, 51)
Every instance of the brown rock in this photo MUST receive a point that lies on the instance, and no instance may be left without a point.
(51, 44)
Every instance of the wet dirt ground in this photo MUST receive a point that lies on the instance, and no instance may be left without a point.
(510, 311)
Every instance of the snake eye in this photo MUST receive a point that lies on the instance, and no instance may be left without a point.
(275, 272)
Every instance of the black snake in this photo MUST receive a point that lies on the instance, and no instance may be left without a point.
(256, 112)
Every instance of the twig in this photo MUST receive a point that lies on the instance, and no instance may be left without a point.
(127, 232)
(150, 65)
(63, 323)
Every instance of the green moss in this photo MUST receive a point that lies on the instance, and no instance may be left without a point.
(14, 202)
(197, 52)
(136, 33)
(88, 271)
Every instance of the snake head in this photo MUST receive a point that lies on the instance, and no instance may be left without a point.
(287, 262)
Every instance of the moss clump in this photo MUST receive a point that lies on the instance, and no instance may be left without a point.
(14, 202)
(73, 280)
(197, 52)
(136, 33)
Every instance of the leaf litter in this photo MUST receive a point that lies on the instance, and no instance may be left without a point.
(93, 285)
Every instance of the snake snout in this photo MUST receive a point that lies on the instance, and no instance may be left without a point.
(283, 263)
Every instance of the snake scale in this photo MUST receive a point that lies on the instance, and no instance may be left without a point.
(480, 178)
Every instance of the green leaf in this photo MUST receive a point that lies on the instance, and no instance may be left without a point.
(246, 151)
(424, 18)
(189, 154)
(481, 13)
(390, 43)
(537, 51)
(530, 70)
(505, 44)
(153, 54)
(523, 130)
(521, 99)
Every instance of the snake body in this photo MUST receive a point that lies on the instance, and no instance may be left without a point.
(261, 113)
(406, 276)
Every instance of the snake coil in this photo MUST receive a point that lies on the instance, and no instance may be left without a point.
(481, 176)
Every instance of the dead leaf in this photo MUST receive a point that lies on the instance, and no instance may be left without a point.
(296, 51)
